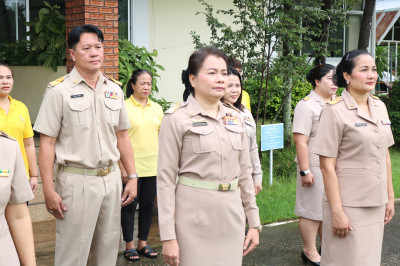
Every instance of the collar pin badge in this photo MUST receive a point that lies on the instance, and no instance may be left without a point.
(386, 122)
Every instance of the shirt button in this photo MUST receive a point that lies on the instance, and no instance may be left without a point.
(379, 176)
(379, 161)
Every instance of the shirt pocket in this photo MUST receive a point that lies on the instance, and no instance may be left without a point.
(250, 128)
(112, 111)
(79, 112)
(203, 139)
(235, 135)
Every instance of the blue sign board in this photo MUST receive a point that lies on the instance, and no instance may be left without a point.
(271, 137)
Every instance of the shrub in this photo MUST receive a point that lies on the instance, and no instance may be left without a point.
(47, 34)
(275, 95)
(131, 58)
(393, 106)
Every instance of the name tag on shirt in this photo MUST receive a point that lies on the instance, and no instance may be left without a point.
(361, 124)
(198, 122)
(76, 96)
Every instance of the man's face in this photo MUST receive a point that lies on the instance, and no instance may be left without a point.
(88, 53)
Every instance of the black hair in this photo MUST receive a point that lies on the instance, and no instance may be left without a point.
(75, 34)
(196, 61)
(347, 65)
(7, 66)
(238, 104)
(318, 72)
(132, 80)
(233, 62)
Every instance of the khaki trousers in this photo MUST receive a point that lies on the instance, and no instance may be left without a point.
(92, 221)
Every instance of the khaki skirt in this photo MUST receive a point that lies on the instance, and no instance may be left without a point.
(362, 246)
(309, 199)
(210, 226)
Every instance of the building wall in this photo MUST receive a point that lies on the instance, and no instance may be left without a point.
(170, 24)
(30, 83)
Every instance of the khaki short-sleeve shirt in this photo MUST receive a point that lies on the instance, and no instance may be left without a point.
(84, 120)
(251, 130)
(359, 143)
(14, 189)
(194, 145)
(306, 120)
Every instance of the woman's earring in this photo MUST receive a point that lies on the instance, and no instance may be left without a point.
(347, 82)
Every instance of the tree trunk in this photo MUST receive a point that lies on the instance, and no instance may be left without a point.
(326, 5)
(287, 106)
(365, 28)
(287, 116)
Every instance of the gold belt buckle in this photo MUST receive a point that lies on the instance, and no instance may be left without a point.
(224, 186)
(103, 172)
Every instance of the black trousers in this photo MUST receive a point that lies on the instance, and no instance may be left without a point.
(146, 194)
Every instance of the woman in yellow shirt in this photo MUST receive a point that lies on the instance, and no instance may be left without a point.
(15, 121)
(145, 117)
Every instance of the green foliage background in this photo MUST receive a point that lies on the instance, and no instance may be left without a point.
(393, 106)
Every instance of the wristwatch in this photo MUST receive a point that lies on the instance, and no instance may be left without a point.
(133, 176)
(304, 173)
(259, 228)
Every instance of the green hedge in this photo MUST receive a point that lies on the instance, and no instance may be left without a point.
(275, 95)
(393, 106)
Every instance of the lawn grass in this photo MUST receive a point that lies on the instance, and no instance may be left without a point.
(276, 202)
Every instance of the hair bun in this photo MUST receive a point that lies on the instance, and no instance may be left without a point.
(185, 76)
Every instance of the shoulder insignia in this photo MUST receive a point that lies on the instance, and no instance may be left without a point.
(57, 81)
(173, 108)
(4, 134)
(374, 97)
(229, 105)
(306, 98)
(336, 100)
(113, 80)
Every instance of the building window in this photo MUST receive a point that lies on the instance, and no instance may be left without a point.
(123, 19)
(15, 13)
(12, 18)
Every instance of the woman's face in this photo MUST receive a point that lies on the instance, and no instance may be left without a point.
(326, 85)
(142, 88)
(211, 80)
(364, 75)
(233, 90)
(6, 81)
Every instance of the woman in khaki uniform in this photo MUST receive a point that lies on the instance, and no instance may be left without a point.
(233, 95)
(16, 237)
(310, 185)
(353, 139)
(203, 144)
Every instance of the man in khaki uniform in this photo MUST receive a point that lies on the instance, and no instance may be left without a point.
(14, 215)
(83, 123)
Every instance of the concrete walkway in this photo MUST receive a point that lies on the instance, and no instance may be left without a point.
(280, 245)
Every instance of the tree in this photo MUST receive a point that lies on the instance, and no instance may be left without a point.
(365, 28)
(326, 6)
(268, 37)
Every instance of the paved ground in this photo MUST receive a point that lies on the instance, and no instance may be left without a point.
(280, 245)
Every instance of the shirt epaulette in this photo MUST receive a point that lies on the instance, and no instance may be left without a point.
(306, 98)
(4, 134)
(113, 80)
(335, 101)
(229, 105)
(57, 81)
(173, 108)
(374, 97)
